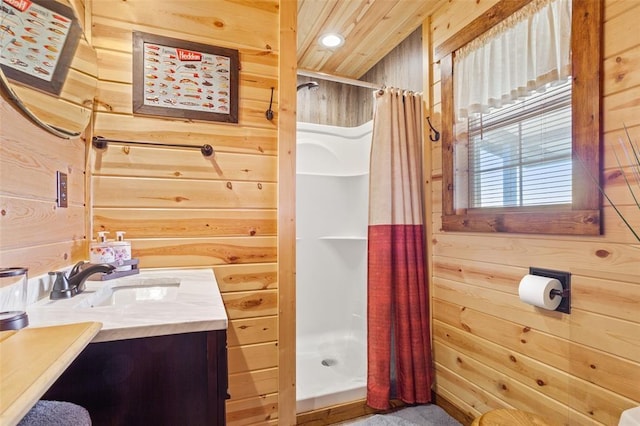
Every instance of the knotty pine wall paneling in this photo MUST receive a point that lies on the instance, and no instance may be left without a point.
(180, 209)
(34, 232)
(493, 351)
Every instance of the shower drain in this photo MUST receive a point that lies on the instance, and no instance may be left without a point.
(329, 362)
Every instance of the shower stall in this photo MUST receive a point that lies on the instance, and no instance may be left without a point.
(332, 185)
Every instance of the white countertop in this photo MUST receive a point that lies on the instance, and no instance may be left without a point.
(197, 306)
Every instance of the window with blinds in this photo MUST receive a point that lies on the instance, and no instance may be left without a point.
(526, 167)
(520, 154)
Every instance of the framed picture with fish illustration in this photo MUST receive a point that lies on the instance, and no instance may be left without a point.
(183, 79)
(38, 39)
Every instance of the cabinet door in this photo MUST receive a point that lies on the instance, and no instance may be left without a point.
(218, 375)
(163, 380)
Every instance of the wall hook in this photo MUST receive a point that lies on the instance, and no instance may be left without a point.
(269, 112)
(436, 134)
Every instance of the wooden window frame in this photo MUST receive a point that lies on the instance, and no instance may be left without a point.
(583, 216)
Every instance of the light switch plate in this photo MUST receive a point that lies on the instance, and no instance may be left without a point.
(61, 180)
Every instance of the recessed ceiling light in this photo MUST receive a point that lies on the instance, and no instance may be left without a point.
(331, 40)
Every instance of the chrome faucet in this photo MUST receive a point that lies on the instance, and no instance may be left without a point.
(66, 286)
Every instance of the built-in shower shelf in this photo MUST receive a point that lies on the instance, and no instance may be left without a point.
(346, 175)
(343, 237)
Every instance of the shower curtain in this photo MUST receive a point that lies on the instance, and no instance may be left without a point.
(397, 301)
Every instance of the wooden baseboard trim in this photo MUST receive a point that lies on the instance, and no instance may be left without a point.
(355, 409)
(342, 412)
(451, 409)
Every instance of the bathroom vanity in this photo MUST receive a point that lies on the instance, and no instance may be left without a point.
(163, 380)
(160, 357)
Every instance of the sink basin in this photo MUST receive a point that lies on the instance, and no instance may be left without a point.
(154, 302)
(132, 292)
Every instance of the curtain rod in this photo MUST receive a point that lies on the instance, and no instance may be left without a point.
(337, 79)
(101, 143)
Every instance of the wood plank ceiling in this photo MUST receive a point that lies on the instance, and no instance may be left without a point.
(371, 29)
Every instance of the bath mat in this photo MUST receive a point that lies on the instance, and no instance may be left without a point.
(420, 415)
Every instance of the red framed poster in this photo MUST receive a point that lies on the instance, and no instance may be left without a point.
(177, 78)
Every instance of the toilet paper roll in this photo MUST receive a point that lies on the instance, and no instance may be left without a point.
(536, 290)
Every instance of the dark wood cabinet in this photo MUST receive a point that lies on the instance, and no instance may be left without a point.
(178, 379)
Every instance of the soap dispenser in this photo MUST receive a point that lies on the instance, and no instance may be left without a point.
(121, 251)
(101, 251)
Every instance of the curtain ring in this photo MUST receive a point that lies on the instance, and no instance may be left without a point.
(436, 134)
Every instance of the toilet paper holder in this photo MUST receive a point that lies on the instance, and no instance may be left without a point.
(565, 280)
(561, 293)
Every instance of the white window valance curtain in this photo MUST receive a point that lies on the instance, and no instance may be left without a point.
(524, 53)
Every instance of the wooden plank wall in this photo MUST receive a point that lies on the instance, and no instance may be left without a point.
(180, 209)
(493, 351)
(34, 233)
(327, 104)
(338, 104)
(402, 67)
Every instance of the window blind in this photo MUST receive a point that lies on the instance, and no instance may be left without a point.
(520, 154)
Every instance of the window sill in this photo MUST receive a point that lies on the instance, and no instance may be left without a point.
(575, 222)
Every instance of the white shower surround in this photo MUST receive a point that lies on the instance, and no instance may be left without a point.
(332, 195)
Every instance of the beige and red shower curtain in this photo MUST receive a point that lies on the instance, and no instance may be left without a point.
(397, 311)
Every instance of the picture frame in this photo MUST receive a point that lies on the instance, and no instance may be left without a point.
(39, 39)
(183, 79)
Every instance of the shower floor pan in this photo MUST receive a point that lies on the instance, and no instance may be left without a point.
(329, 373)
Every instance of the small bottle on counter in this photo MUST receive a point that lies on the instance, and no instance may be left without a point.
(101, 251)
(122, 251)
